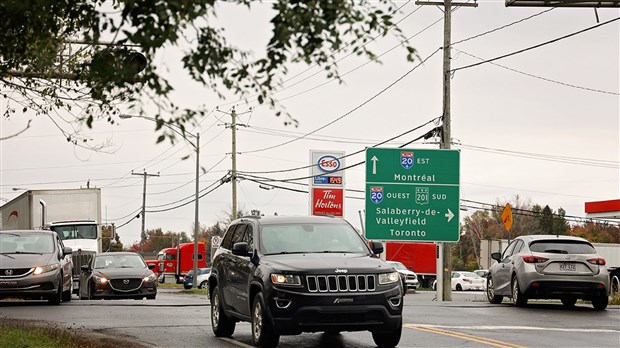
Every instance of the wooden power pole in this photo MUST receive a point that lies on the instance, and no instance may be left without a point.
(445, 258)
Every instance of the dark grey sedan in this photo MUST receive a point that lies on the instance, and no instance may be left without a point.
(549, 267)
(117, 275)
(35, 265)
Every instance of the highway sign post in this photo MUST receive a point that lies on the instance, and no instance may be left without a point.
(412, 194)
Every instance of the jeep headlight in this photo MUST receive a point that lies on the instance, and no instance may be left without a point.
(388, 278)
(45, 269)
(285, 279)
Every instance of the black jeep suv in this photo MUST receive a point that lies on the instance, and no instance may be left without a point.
(288, 275)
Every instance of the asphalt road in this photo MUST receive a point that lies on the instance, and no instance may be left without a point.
(176, 320)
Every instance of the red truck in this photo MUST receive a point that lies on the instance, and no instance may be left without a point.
(417, 256)
(178, 261)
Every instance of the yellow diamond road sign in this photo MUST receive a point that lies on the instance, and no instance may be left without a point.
(507, 217)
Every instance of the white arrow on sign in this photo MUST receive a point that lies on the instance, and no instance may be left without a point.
(449, 215)
(374, 160)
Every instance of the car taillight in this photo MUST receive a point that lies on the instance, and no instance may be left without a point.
(597, 261)
(467, 280)
(534, 259)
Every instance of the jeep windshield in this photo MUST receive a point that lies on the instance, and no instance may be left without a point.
(310, 238)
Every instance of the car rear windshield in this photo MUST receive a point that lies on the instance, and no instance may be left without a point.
(310, 238)
(562, 247)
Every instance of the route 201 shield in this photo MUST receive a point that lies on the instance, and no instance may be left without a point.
(376, 194)
(406, 159)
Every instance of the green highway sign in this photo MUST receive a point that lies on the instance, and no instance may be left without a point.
(412, 194)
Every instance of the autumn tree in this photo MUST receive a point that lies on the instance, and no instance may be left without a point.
(107, 236)
(86, 58)
(476, 227)
(487, 224)
(597, 232)
(551, 222)
(206, 233)
(156, 240)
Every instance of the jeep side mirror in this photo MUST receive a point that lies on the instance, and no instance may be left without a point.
(377, 247)
(496, 256)
(241, 249)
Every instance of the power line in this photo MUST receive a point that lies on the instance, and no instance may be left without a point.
(546, 157)
(428, 134)
(492, 207)
(536, 46)
(350, 111)
(528, 212)
(502, 27)
(541, 78)
(348, 155)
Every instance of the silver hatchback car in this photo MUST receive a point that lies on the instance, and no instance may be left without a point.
(549, 267)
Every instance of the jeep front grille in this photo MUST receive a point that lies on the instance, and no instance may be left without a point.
(341, 283)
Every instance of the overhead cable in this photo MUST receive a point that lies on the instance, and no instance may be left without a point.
(536, 46)
(350, 111)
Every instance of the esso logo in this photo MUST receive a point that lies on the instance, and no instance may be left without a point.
(329, 163)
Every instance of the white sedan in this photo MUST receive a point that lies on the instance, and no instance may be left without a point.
(462, 280)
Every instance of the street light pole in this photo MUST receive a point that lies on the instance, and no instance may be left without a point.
(196, 193)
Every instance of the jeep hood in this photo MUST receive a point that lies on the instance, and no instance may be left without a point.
(322, 263)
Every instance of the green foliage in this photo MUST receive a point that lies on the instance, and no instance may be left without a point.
(41, 61)
(108, 235)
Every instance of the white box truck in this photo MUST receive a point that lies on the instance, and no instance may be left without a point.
(75, 214)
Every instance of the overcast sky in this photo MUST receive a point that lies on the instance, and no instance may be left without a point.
(542, 124)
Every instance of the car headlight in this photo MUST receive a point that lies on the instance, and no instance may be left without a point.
(45, 269)
(285, 279)
(101, 280)
(388, 278)
(150, 278)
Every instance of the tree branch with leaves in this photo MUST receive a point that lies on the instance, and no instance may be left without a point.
(40, 59)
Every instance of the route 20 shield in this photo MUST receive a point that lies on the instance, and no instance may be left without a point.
(406, 159)
(376, 194)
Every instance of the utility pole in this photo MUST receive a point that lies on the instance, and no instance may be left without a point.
(233, 174)
(196, 209)
(143, 233)
(233, 170)
(444, 262)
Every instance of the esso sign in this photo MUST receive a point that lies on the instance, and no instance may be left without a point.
(329, 163)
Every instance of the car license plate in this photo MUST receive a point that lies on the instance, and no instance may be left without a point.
(566, 266)
(8, 283)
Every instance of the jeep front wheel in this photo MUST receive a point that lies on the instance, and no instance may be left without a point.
(263, 334)
(222, 325)
(388, 339)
